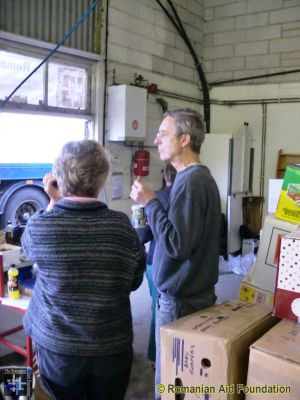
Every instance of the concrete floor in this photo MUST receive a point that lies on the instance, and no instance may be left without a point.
(141, 386)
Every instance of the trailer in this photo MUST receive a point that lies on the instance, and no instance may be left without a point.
(21, 191)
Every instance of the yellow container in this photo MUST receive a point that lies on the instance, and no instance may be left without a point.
(13, 283)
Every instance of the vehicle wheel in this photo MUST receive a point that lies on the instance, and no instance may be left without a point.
(23, 204)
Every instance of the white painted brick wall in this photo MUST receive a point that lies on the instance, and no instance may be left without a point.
(230, 10)
(181, 71)
(286, 15)
(283, 45)
(290, 3)
(246, 73)
(163, 66)
(291, 62)
(218, 52)
(236, 36)
(149, 39)
(263, 5)
(291, 33)
(265, 33)
(291, 54)
(226, 24)
(229, 64)
(245, 49)
(233, 39)
(264, 61)
(248, 21)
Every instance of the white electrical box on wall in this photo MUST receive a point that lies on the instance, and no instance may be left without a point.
(126, 113)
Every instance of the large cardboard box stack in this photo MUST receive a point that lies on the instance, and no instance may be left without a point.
(274, 364)
(287, 293)
(208, 350)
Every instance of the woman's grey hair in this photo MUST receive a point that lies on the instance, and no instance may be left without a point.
(191, 122)
(81, 168)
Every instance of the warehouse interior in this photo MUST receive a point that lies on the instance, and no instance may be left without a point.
(107, 70)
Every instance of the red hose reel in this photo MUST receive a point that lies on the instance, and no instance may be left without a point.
(141, 161)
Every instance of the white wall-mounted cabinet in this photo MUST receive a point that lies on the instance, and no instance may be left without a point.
(127, 109)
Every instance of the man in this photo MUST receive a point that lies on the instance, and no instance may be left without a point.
(187, 233)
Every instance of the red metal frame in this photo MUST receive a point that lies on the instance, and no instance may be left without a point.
(1, 277)
(27, 351)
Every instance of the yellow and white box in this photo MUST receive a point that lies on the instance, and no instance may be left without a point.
(254, 294)
(205, 355)
(288, 207)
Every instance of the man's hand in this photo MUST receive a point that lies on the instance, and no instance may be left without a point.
(141, 193)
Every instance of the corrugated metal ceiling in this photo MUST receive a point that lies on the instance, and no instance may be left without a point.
(50, 20)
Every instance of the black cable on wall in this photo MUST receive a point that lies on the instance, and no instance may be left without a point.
(105, 74)
(251, 77)
(179, 27)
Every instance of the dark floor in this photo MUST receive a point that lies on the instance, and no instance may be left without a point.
(141, 385)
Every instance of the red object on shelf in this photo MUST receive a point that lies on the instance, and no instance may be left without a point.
(152, 88)
(141, 163)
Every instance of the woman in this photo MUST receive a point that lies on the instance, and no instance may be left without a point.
(89, 260)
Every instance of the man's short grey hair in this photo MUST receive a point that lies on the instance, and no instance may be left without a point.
(191, 122)
(81, 168)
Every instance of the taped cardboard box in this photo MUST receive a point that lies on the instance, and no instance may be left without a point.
(287, 293)
(254, 294)
(288, 207)
(274, 364)
(265, 269)
(205, 355)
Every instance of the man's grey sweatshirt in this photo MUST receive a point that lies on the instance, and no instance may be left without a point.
(187, 235)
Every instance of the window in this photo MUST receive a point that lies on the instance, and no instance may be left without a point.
(13, 69)
(32, 138)
(54, 84)
(67, 87)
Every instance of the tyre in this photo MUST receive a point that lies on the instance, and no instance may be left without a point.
(23, 204)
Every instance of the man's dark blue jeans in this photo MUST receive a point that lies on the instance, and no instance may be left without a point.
(169, 309)
(89, 378)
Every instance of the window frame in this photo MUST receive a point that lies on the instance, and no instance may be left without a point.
(70, 57)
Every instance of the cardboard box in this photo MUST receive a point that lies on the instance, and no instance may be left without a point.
(287, 293)
(288, 207)
(207, 352)
(254, 294)
(274, 364)
(265, 268)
